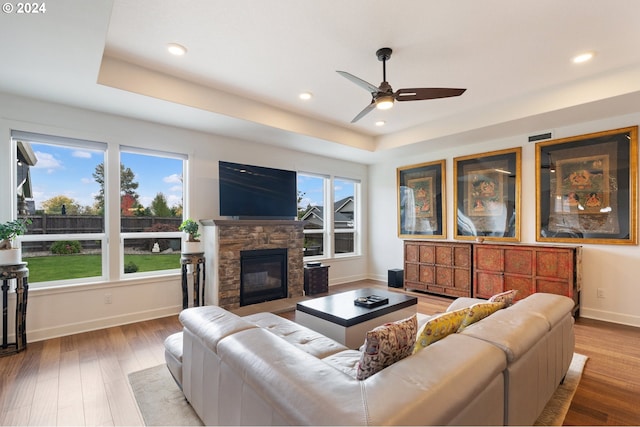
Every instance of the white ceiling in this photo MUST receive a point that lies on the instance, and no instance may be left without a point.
(248, 60)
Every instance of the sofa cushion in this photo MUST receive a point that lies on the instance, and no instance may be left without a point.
(345, 361)
(552, 307)
(513, 332)
(387, 344)
(507, 297)
(304, 338)
(438, 327)
(478, 312)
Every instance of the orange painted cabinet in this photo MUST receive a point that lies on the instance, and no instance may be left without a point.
(485, 269)
(438, 267)
(527, 268)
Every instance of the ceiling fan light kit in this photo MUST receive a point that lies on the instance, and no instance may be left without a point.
(383, 96)
(384, 102)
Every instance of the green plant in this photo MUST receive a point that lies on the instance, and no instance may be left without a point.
(190, 227)
(11, 229)
(130, 267)
(66, 247)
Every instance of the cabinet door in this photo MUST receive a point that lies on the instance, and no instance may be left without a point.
(555, 271)
(411, 252)
(488, 270)
(488, 258)
(487, 284)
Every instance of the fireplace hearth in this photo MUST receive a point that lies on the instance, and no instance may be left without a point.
(263, 275)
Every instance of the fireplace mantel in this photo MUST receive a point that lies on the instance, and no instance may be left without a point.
(250, 222)
(225, 238)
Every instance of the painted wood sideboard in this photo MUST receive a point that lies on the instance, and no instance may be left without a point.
(484, 269)
(442, 268)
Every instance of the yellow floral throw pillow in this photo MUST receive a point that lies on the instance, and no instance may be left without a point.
(439, 327)
(507, 296)
(479, 311)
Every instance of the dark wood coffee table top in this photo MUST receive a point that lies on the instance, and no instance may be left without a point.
(341, 310)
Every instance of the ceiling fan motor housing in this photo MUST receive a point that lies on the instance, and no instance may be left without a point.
(384, 53)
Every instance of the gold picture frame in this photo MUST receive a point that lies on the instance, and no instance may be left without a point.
(487, 195)
(586, 188)
(421, 200)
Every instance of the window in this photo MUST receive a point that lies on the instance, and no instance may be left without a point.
(63, 187)
(151, 201)
(56, 189)
(311, 201)
(344, 215)
(314, 193)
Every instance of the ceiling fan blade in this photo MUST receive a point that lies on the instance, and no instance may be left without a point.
(364, 112)
(418, 94)
(368, 86)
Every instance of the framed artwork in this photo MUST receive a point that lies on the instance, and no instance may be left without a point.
(586, 188)
(487, 191)
(421, 200)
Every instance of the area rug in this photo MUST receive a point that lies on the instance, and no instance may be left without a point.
(162, 403)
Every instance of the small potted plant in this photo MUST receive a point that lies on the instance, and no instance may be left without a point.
(192, 244)
(8, 232)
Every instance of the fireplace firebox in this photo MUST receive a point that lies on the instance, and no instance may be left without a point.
(263, 275)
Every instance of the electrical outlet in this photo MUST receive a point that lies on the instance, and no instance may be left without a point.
(107, 299)
(600, 293)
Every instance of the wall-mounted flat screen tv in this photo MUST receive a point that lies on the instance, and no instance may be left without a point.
(254, 192)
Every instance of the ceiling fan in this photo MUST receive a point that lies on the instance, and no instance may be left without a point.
(383, 97)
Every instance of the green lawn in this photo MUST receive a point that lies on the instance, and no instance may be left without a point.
(61, 267)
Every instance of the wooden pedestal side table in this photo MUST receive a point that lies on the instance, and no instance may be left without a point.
(18, 273)
(196, 260)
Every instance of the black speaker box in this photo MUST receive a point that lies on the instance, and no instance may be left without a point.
(395, 279)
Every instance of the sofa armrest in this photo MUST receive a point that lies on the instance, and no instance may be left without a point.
(212, 323)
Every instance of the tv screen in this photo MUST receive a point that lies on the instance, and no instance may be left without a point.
(248, 191)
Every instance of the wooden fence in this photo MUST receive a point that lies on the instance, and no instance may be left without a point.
(82, 224)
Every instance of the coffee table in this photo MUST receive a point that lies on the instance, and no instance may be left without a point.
(337, 317)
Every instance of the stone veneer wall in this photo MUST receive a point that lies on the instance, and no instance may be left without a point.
(233, 236)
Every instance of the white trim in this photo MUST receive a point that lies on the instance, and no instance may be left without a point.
(39, 138)
(101, 323)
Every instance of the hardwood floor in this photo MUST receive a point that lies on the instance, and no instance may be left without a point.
(82, 379)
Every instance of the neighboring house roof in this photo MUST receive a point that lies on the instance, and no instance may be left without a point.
(26, 159)
(342, 213)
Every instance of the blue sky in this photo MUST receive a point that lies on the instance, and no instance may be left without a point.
(313, 191)
(69, 172)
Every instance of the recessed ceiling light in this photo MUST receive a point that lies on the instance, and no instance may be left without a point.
(381, 123)
(176, 49)
(583, 57)
(305, 96)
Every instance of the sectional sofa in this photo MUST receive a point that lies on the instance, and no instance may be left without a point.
(266, 370)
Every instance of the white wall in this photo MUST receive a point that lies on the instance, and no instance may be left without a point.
(66, 310)
(614, 268)
(72, 309)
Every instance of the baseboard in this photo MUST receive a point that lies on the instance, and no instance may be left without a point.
(610, 316)
(96, 324)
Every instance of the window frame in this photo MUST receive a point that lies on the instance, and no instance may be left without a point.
(356, 218)
(329, 230)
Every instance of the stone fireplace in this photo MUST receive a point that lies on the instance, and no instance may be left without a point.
(226, 240)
